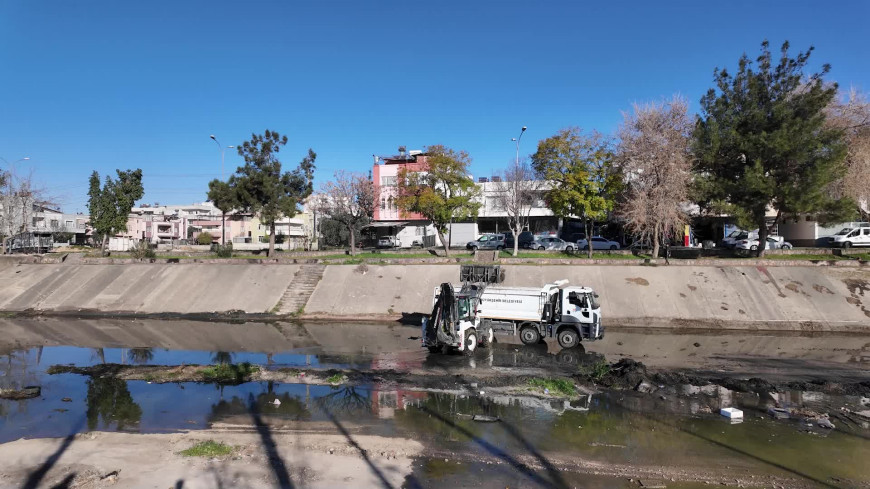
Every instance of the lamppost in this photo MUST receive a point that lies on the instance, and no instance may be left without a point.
(517, 140)
(222, 152)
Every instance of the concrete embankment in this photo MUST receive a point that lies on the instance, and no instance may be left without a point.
(744, 297)
(144, 288)
(825, 298)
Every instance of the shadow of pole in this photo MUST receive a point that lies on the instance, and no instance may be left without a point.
(275, 460)
(553, 472)
(36, 476)
(360, 449)
(498, 452)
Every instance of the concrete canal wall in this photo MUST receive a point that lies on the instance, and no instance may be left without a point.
(690, 296)
(144, 288)
(787, 297)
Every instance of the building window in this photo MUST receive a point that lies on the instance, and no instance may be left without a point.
(390, 204)
(383, 203)
(54, 224)
(388, 181)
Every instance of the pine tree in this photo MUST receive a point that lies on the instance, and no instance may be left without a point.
(761, 141)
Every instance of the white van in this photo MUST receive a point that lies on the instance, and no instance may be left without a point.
(849, 237)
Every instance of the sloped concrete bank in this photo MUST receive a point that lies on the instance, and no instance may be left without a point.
(742, 297)
(144, 288)
(717, 297)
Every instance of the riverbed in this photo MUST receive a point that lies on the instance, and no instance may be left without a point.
(448, 433)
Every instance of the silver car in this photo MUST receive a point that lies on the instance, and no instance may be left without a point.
(598, 243)
(550, 243)
(487, 242)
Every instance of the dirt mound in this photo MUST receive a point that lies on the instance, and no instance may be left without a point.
(624, 374)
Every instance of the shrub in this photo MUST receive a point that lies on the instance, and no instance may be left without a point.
(225, 251)
(143, 250)
(204, 238)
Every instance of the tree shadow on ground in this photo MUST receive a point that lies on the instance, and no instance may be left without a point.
(279, 468)
(37, 475)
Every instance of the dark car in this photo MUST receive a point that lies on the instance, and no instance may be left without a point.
(525, 239)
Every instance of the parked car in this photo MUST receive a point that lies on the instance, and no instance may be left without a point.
(773, 243)
(548, 243)
(525, 239)
(389, 242)
(598, 243)
(849, 237)
(737, 236)
(487, 242)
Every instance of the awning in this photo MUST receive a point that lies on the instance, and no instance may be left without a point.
(384, 224)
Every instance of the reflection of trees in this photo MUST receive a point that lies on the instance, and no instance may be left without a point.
(141, 355)
(110, 401)
(291, 407)
(345, 399)
(222, 357)
(99, 353)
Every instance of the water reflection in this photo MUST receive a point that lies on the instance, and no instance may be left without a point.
(109, 401)
(222, 357)
(141, 356)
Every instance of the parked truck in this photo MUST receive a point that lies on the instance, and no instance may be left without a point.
(469, 315)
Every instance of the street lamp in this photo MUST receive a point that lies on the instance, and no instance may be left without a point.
(517, 140)
(222, 152)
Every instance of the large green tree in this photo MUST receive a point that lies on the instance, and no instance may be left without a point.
(442, 192)
(263, 188)
(224, 197)
(761, 142)
(110, 204)
(580, 174)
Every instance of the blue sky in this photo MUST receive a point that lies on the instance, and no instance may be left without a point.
(100, 85)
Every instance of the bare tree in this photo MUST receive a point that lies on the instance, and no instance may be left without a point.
(18, 198)
(516, 194)
(851, 114)
(656, 160)
(350, 200)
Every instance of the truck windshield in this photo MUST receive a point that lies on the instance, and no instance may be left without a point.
(593, 300)
(844, 231)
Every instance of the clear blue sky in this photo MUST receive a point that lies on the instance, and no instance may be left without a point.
(122, 84)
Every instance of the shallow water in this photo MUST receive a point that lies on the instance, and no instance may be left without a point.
(614, 428)
(622, 428)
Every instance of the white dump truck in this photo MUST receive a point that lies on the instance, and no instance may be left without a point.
(467, 316)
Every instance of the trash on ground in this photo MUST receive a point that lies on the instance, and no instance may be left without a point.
(731, 413)
(484, 418)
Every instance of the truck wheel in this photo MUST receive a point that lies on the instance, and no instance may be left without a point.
(568, 338)
(470, 342)
(529, 335)
(847, 245)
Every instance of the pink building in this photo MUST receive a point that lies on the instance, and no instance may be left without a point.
(384, 175)
(393, 228)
